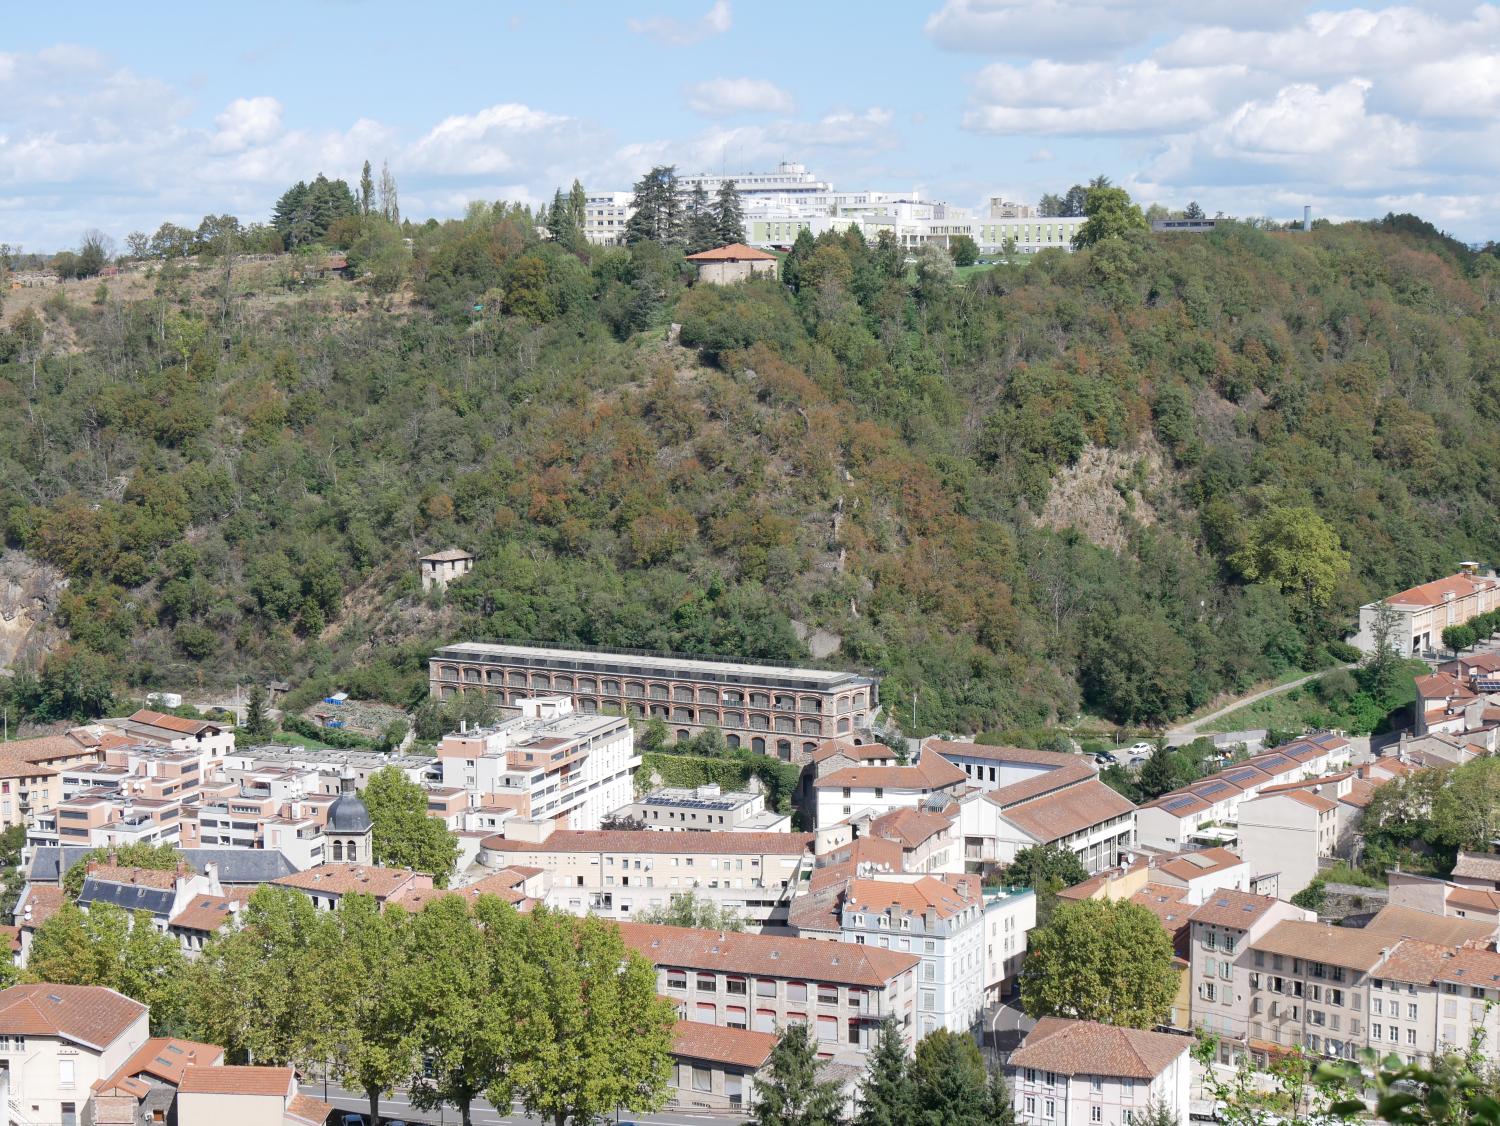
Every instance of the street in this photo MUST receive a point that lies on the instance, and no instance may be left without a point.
(398, 1106)
(1006, 1024)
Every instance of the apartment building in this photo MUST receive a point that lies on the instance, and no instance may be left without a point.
(26, 788)
(212, 740)
(930, 840)
(764, 983)
(144, 1089)
(1057, 802)
(775, 709)
(1009, 916)
(619, 873)
(161, 894)
(1423, 612)
(841, 792)
(549, 762)
(704, 808)
(1221, 931)
(1284, 833)
(714, 1068)
(326, 884)
(1075, 1072)
(57, 1041)
(939, 920)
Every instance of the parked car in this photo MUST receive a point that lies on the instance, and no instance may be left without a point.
(1136, 760)
(1106, 758)
(1141, 747)
(352, 1120)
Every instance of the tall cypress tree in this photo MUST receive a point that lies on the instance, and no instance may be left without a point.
(729, 214)
(366, 190)
(701, 227)
(578, 205)
(885, 1096)
(559, 223)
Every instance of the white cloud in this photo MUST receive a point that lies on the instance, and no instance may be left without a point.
(246, 122)
(677, 33)
(494, 140)
(721, 97)
(1077, 98)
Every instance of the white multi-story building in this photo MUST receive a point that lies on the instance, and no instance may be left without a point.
(1423, 612)
(548, 763)
(1081, 1073)
(939, 920)
(844, 791)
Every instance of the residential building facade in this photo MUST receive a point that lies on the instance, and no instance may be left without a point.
(1081, 1073)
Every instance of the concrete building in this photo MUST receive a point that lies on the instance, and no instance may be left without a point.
(1081, 1073)
(1284, 834)
(56, 1042)
(705, 808)
(1221, 931)
(841, 792)
(246, 1096)
(144, 1089)
(714, 1068)
(728, 265)
(617, 874)
(549, 763)
(1009, 916)
(776, 709)
(326, 884)
(939, 920)
(442, 567)
(606, 215)
(1423, 612)
(763, 983)
(1183, 226)
(1056, 802)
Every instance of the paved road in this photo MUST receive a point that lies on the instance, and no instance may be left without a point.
(1187, 732)
(398, 1106)
(1007, 1025)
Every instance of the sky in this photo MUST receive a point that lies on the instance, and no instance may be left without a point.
(120, 116)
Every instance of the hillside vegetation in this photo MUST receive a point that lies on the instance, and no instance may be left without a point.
(1123, 480)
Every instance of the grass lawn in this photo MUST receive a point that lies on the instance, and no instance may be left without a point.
(1299, 708)
(292, 739)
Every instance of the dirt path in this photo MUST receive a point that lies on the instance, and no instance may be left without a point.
(1187, 732)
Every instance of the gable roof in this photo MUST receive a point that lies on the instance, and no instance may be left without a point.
(206, 914)
(734, 252)
(996, 753)
(737, 1047)
(1229, 908)
(173, 723)
(347, 879)
(89, 1015)
(165, 1058)
(1433, 593)
(1314, 942)
(1059, 814)
(253, 866)
(909, 827)
(238, 1080)
(1477, 866)
(1408, 922)
(768, 955)
(1085, 1047)
(917, 897)
(929, 772)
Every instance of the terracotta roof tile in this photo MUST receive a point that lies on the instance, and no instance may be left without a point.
(1237, 909)
(345, 879)
(44, 901)
(135, 877)
(929, 772)
(1338, 946)
(736, 1047)
(1165, 901)
(1193, 865)
(171, 722)
(1431, 594)
(1477, 866)
(1414, 961)
(734, 252)
(86, 1014)
(165, 1058)
(910, 827)
(1080, 1047)
(305, 1108)
(1408, 922)
(1472, 967)
(1053, 759)
(768, 955)
(239, 1080)
(206, 913)
(831, 748)
(1065, 774)
(1056, 815)
(942, 897)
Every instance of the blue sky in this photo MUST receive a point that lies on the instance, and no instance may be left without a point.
(116, 120)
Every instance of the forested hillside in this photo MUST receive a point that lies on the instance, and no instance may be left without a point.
(1123, 480)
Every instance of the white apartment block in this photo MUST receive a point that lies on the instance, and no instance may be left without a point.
(548, 763)
(1284, 834)
(706, 808)
(56, 1042)
(1080, 1073)
(618, 874)
(844, 791)
(1009, 916)
(939, 920)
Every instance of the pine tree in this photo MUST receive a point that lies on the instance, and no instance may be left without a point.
(885, 1096)
(701, 227)
(791, 266)
(729, 214)
(256, 721)
(658, 208)
(791, 1091)
(1000, 1104)
(557, 219)
(948, 1080)
(1158, 775)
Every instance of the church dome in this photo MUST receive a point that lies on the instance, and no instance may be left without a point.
(348, 813)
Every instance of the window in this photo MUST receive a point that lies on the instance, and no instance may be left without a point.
(929, 999)
(1049, 1109)
(1394, 1033)
(765, 987)
(1096, 1084)
(1096, 1114)
(1031, 1075)
(1375, 1031)
(69, 1114)
(734, 986)
(828, 994)
(734, 1016)
(1377, 1006)
(1411, 1012)
(796, 991)
(1030, 1105)
(677, 979)
(703, 1079)
(707, 983)
(65, 1074)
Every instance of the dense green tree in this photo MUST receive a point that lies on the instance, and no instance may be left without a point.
(1046, 869)
(257, 722)
(658, 215)
(404, 836)
(137, 854)
(1000, 1106)
(366, 190)
(1192, 211)
(1295, 549)
(1098, 960)
(885, 1095)
(729, 214)
(1111, 215)
(110, 947)
(702, 229)
(963, 250)
(792, 1090)
(948, 1080)
(606, 1036)
(1159, 773)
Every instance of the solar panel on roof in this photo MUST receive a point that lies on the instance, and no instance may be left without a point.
(1176, 804)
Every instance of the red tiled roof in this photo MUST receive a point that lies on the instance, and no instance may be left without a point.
(13, 765)
(136, 877)
(734, 252)
(238, 1080)
(86, 1014)
(344, 879)
(1068, 772)
(929, 772)
(1192, 865)
(736, 1047)
(165, 1058)
(947, 747)
(206, 913)
(911, 827)
(1473, 899)
(768, 955)
(1059, 814)
(1409, 922)
(1236, 909)
(648, 840)
(305, 1108)
(171, 722)
(831, 748)
(44, 901)
(1083, 1047)
(1431, 594)
(1165, 901)
(917, 897)
(1339, 946)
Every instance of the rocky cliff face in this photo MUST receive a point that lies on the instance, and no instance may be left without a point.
(29, 591)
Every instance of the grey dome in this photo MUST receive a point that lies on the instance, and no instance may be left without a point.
(348, 813)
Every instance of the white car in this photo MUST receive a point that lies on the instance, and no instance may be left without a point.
(1141, 748)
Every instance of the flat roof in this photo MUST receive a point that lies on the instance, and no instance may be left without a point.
(701, 669)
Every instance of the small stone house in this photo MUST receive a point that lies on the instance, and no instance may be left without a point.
(726, 265)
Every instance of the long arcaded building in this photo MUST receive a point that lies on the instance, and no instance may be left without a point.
(770, 708)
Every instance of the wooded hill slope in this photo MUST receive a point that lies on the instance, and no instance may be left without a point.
(1252, 434)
